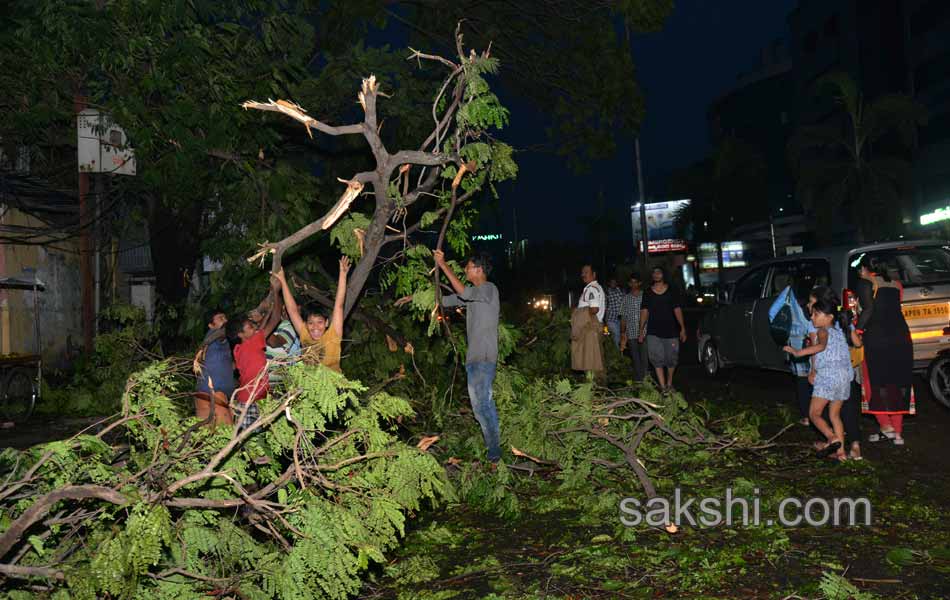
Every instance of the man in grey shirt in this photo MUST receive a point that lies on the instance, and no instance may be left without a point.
(480, 300)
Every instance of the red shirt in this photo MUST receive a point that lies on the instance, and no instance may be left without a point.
(250, 360)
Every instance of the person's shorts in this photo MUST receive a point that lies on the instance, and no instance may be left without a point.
(663, 352)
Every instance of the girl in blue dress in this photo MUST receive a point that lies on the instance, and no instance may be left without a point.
(833, 373)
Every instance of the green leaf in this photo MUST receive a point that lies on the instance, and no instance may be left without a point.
(900, 557)
(37, 543)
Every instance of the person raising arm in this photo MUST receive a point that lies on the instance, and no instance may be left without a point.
(320, 338)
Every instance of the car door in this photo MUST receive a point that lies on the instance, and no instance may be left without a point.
(803, 275)
(735, 323)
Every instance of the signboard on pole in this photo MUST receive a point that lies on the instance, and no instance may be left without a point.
(661, 226)
(102, 146)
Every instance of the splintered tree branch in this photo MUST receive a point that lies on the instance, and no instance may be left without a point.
(430, 156)
(294, 111)
(353, 189)
(386, 163)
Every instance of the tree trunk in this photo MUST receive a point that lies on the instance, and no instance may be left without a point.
(373, 243)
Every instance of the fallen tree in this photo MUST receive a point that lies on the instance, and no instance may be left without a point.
(151, 503)
(592, 438)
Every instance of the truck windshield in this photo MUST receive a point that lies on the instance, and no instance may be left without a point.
(912, 265)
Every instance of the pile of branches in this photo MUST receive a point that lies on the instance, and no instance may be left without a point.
(154, 503)
(591, 437)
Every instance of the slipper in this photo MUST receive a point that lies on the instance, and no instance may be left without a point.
(898, 441)
(830, 449)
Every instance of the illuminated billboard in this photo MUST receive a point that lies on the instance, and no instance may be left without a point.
(734, 254)
(661, 225)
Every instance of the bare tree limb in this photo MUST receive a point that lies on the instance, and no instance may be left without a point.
(43, 504)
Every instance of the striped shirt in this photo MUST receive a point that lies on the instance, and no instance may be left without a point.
(630, 312)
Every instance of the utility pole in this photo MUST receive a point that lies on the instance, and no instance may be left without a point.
(85, 251)
(644, 237)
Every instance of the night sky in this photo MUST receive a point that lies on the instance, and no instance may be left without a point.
(704, 47)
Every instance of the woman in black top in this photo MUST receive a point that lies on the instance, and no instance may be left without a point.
(888, 350)
(661, 324)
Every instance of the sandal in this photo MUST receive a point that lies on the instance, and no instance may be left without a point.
(830, 449)
(881, 436)
(898, 440)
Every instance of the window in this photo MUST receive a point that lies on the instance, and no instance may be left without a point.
(802, 275)
(749, 288)
(913, 266)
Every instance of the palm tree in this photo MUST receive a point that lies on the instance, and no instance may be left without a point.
(857, 163)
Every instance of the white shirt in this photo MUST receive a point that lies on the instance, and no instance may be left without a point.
(593, 296)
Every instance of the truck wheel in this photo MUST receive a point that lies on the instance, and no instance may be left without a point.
(938, 376)
(19, 395)
(712, 364)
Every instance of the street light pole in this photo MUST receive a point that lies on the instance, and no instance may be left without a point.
(644, 238)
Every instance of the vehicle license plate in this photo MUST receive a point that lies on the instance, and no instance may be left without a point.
(926, 311)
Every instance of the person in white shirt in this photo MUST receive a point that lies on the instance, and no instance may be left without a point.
(593, 296)
(587, 327)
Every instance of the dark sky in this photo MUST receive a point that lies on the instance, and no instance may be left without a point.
(705, 45)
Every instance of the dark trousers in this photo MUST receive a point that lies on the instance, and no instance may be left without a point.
(638, 353)
(850, 412)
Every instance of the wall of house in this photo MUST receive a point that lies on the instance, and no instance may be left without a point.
(59, 305)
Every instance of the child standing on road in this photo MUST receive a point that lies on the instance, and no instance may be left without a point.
(832, 374)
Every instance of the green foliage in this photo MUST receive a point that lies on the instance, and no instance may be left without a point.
(836, 587)
(339, 475)
(342, 235)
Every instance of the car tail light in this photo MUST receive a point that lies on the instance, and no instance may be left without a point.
(849, 301)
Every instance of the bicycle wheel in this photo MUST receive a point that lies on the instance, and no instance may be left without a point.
(19, 395)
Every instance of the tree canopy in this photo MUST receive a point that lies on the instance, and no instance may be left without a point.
(857, 163)
(216, 180)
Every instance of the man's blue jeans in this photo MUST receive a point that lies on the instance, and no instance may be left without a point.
(481, 375)
(613, 326)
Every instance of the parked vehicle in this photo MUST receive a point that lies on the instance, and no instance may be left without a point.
(21, 374)
(20, 377)
(736, 332)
